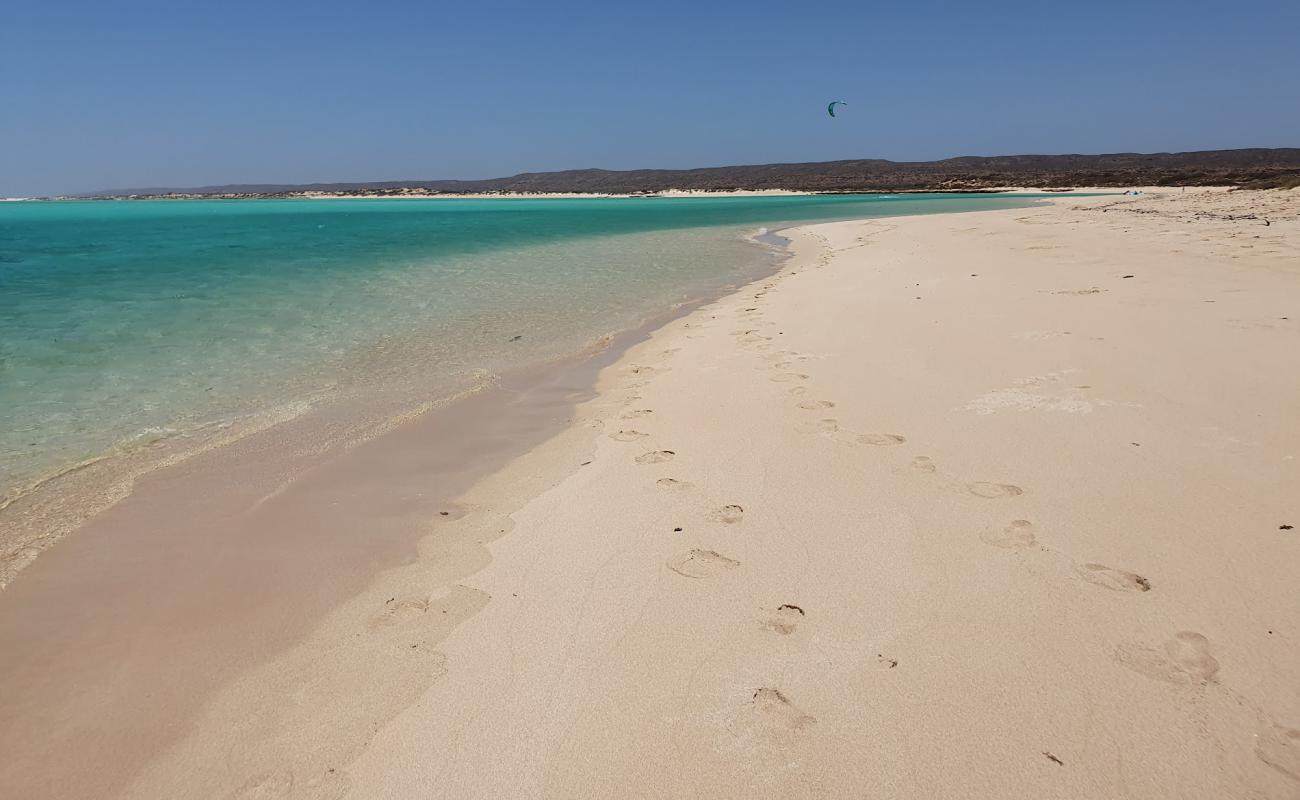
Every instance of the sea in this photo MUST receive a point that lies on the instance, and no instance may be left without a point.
(129, 325)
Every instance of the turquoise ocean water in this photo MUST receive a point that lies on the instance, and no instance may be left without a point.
(125, 323)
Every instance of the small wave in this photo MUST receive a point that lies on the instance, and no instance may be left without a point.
(151, 437)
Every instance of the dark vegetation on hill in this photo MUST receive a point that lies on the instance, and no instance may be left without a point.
(1254, 168)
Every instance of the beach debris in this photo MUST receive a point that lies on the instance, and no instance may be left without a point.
(1128, 276)
(1285, 527)
(516, 337)
(785, 606)
(444, 513)
(1054, 759)
(885, 661)
(830, 107)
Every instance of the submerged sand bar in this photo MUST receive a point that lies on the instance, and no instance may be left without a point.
(980, 505)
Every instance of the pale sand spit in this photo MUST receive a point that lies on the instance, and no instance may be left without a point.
(1010, 522)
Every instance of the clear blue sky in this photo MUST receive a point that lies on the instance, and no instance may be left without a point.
(127, 93)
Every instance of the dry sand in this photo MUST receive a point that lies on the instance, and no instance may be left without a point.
(977, 505)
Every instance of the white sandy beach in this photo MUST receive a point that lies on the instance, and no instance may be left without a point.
(981, 505)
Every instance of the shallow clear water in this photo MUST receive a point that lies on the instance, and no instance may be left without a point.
(121, 322)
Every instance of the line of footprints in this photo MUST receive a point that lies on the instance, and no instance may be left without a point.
(1185, 659)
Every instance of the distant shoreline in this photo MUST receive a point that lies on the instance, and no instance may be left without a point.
(1255, 168)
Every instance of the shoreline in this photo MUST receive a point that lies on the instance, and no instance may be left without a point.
(449, 444)
(41, 508)
(423, 627)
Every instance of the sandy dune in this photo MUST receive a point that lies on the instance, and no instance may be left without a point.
(982, 505)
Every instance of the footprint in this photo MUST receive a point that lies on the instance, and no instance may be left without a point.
(640, 412)
(645, 371)
(1110, 578)
(700, 563)
(435, 659)
(993, 490)
(398, 610)
(729, 514)
(655, 457)
(783, 620)
(816, 405)
(1279, 747)
(799, 390)
(672, 483)
(1020, 533)
(1183, 660)
(885, 662)
(774, 711)
(881, 439)
(824, 426)
(786, 377)
(924, 463)
(628, 436)
(457, 603)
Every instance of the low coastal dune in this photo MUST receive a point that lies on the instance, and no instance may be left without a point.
(995, 504)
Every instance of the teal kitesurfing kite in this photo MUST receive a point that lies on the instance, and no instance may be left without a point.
(830, 108)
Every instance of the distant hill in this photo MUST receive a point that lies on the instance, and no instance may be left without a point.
(1257, 166)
